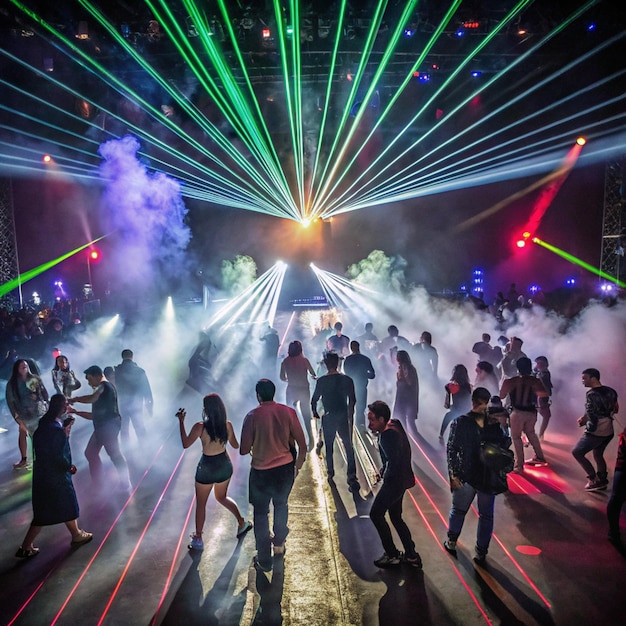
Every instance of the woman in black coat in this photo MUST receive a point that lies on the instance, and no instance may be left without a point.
(54, 498)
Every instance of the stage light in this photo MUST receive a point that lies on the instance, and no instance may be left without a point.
(570, 282)
(534, 289)
(581, 141)
(526, 234)
(306, 223)
(94, 254)
(521, 243)
(423, 77)
(459, 33)
(606, 288)
(409, 32)
(266, 33)
(46, 158)
(591, 26)
(83, 30)
(476, 73)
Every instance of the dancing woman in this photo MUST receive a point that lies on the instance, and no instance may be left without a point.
(215, 467)
(27, 400)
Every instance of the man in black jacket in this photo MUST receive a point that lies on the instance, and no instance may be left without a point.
(600, 406)
(397, 475)
(134, 394)
(468, 478)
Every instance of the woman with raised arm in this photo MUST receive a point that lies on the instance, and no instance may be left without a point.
(215, 467)
(63, 377)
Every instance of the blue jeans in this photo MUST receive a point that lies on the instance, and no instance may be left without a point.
(265, 486)
(462, 499)
(592, 443)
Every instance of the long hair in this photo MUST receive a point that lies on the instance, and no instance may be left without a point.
(403, 357)
(460, 376)
(295, 348)
(214, 418)
(15, 375)
(55, 408)
(56, 362)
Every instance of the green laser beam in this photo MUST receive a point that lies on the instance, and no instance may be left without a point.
(44, 267)
(576, 261)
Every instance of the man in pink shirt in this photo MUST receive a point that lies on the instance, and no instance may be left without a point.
(271, 433)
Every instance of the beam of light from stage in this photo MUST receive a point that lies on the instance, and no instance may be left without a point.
(576, 261)
(264, 289)
(345, 294)
(380, 172)
(385, 187)
(40, 269)
(94, 67)
(522, 121)
(552, 183)
(105, 330)
(412, 180)
(249, 200)
(519, 167)
(250, 174)
(549, 192)
(336, 157)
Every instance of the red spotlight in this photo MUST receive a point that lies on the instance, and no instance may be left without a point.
(581, 141)
(46, 158)
(521, 243)
(94, 254)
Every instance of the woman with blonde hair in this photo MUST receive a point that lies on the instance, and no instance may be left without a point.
(215, 468)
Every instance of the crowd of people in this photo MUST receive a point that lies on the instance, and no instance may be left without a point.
(497, 406)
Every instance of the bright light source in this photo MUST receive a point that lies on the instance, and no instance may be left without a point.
(526, 234)
(423, 77)
(266, 33)
(306, 223)
(534, 289)
(581, 141)
(521, 243)
(591, 26)
(46, 158)
(476, 73)
(94, 254)
(409, 32)
(459, 33)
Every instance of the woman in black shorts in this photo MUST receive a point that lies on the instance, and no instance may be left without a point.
(214, 467)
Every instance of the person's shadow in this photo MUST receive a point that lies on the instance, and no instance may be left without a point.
(270, 590)
(406, 597)
(218, 607)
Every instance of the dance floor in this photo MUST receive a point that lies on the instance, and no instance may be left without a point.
(549, 561)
